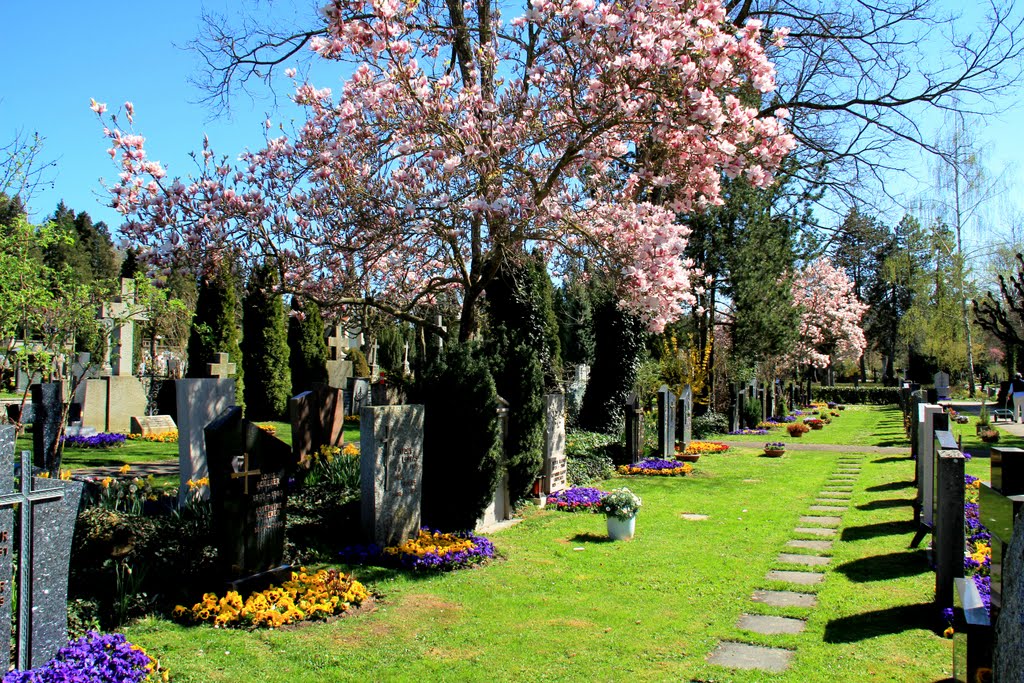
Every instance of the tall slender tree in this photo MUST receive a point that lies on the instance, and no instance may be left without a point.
(215, 325)
(265, 348)
(307, 345)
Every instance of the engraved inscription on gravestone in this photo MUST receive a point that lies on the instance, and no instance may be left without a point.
(555, 464)
(391, 472)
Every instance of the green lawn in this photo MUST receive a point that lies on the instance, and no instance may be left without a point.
(857, 425)
(564, 604)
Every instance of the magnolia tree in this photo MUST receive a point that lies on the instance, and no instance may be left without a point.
(830, 316)
(461, 140)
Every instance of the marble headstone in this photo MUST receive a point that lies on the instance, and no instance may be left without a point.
(199, 402)
(152, 425)
(555, 463)
(391, 472)
(248, 493)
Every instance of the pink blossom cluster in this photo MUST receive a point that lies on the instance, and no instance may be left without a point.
(460, 139)
(830, 315)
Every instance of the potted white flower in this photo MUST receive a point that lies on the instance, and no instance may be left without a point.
(620, 506)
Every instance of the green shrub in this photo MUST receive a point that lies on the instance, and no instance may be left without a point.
(709, 424)
(879, 396)
(751, 412)
(360, 368)
(589, 457)
(307, 346)
(215, 326)
(265, 349)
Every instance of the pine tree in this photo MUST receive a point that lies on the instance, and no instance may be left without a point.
(307, 346)
(215, 326)
(265, 348)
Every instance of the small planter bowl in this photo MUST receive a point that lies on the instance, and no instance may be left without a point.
(687, 457)
(774, 452)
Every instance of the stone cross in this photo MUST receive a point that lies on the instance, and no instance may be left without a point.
(220, 368)
(47, 511)
(337, 343)
(374, 367)
(118, 316)
(440, 339)
(405, 360)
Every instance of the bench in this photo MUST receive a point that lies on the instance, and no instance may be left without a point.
(1004, 413)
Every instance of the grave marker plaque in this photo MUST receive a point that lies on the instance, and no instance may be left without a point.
(555, 464)
(391, 472)
(153, 424)
(248, 481)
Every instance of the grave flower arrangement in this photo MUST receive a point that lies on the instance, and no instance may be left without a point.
(760, 431)
(434, 550)
(95, 657)
(797, 429)
(657, 467)
(813, 423)
(305, 597)
(579, 498)
(101, 440)
(774, 448)
(621, 504)
(164, 437)
(705, 447)
(978, 553)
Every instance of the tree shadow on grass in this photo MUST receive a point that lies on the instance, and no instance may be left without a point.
(869, 531)
(892, 486)
(590, 538)
(887, 503)
(857, 627)
(885, 567)
(892, 458)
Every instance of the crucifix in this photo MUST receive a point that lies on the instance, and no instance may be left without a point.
(245, 472)
(117, 316)
(405, 360)
(335, 343)
(373, 365)
(440, 338)
(220, 368)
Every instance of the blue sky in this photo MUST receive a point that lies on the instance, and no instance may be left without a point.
(119, 50)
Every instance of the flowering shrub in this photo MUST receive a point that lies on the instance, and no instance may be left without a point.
(440, 551)
(621, 504)
(101, 440)
(95, 657)
(775, 446)
(978, 554)
(576, 499)
(305, 597)
(163, 437)
(797, 429)
(333, 465)
(704, 447)
(657, 467)
(760, 431)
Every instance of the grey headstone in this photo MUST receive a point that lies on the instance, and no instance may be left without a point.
(338, 373)
(199, 402)
(317, 419)
(248, 492)
(1009, 625)
(666, 423)
(686, 413)
(555, 464)
(48, 405)
(948, 537)
(94, 404)
(634, 414)
(125, 397)
(391, 470)
(360, 394)
(757, 657)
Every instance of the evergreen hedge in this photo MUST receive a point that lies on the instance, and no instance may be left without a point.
(879, 396)
(215, 326)
(265, 348)
(307, 346)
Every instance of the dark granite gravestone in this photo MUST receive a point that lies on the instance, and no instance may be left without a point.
(48, 405)
(26, 413)
(317, 419)
(666, 422)
(948, 539)
(47, 512)
(686, 414)
(391, 472)
(1009, 625)
(248, 481)
(634, 413)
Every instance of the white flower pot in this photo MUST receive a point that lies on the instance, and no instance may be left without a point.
(621, 529)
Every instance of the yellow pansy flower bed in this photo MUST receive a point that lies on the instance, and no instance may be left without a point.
(164, 437)
(704, 447)
(306, 597)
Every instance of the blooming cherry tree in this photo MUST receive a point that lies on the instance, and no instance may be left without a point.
(830, 315)
(461, 140)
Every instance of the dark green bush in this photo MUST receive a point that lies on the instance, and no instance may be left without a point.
(751, 413)
(307, 347)
(265, 349)
(709, 424)
(589, 457)
(879, 396)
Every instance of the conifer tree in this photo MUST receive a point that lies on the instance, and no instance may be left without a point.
(265, 348)
(307, 346)
(215, 326)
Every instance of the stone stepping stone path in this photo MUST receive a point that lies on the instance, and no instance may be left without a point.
(693, 516)
(834, 498)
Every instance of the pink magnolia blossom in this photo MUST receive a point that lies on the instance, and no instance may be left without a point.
(830, 315)
(420, 176)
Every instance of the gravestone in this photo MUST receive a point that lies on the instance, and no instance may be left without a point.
(248, 493)
(94, 404)
(48, 407)
(360, 394)
(152, 425)
(686, 413)
(199, 402)
(634, 414)
(119, 315)
(666, 423)
(948, 538)
(338, 369)
(125, 397)
(1009, 625)
(220, 368)
(931, 418)
(555, 463)
(317, 419)
(23, 413)
(941, 381)
(391, 472)
(47, 512)
(81, 370)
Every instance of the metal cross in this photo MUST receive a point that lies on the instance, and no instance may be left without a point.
(245, 472)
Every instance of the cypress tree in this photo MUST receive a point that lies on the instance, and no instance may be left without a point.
(265, 348)
(307, 346)
(215, 326)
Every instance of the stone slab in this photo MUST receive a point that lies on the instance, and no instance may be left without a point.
(843, 496)
(555, 463)
(799, 578)
(820, 520)
(94, 404)
(757, 623)
(152, 424)
(828, 508)
(744, 656)
(125, 398)
(199, 402)
(810, 545)
(391, 472)
(815, 531)
(809, 560)
(693, 517)
(784, 599)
